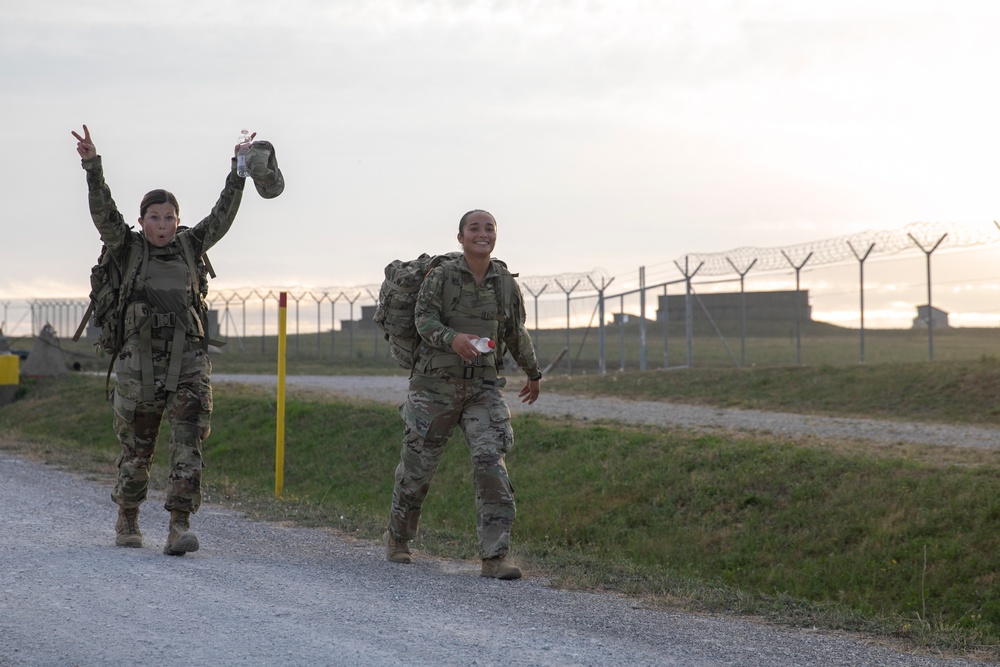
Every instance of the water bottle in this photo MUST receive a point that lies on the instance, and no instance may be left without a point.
(241, 155)
(484, 345)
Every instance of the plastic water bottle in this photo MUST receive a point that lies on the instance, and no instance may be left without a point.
(241, 155)
(484, 345)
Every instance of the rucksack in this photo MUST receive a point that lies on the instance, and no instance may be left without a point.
(111, 280)
(106, 299)
(397, 298)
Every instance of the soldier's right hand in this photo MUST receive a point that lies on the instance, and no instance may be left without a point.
(463, 346)
(85, 145)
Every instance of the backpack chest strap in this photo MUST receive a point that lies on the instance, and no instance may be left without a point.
(175, 354)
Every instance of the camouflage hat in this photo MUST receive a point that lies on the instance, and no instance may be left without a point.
(263, 167)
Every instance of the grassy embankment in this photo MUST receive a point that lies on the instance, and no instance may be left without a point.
(897, 541)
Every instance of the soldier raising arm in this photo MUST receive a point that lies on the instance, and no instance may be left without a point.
(162, 364)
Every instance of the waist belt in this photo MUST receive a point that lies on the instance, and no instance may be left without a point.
(469, 372)
(168, 345)
(159, 320)
(453, 364)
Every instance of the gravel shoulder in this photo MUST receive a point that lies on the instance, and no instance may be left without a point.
(392, 389)
(269, 593)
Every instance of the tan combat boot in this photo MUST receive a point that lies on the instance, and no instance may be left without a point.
(498, 568)
(180, 540)
(127, 528)
(396, 551)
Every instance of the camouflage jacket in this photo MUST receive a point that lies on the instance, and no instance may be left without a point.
(437, 329)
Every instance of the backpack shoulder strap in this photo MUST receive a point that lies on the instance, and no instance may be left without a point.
(188, 251)
(129, 267)
(453, 277)
(452, 291)
(197, 288)
(506, 294)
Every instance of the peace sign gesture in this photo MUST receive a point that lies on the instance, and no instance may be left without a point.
(85, 145)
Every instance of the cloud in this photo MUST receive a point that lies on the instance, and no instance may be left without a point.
(681, 126)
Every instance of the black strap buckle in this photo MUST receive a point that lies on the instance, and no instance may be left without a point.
(163, 320)
(468, 372)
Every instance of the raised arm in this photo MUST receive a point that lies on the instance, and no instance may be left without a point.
(103, 211)
(215, 225)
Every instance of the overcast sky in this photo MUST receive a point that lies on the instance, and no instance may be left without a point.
(610, 134)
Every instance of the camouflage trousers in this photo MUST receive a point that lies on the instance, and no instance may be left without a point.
(137, 423)
(433, 407)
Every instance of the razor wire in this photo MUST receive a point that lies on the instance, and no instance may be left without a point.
(352, 293)
(843, 248)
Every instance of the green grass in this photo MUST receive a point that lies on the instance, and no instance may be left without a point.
(900, 542)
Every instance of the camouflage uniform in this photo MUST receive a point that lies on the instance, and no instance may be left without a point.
(445, 393)
(163, 365)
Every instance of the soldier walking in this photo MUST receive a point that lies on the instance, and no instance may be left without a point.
(453, 384)
(162, 365)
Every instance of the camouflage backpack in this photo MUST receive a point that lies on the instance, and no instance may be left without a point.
(397, 298)
(106, 299)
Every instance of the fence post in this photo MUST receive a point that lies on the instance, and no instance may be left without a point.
(688, 311)
(333, 324)
(743, 311)
(375, 330)
(569, 363)
(666, 328)
(263, 320)
(243, 334)
(642, 318)
(798, 306)
(350, 332)
(861, 262)
(297, 336)
(319, 323)
(621, 332)
(930, 309)
(535, 295)
(600, 324)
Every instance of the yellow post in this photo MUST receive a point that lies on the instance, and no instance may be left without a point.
(9, 377)
(279, 458)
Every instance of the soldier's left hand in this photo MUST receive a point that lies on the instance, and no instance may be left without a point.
(529, 393)
(236, 150)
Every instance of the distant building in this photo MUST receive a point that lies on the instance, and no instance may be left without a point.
(365, 323)
(625, 318)
(727, 306)
(938, 318)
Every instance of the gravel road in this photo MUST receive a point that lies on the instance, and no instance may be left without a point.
(272, 594)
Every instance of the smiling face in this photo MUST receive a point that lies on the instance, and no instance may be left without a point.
(159, 224)
(477, 234)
